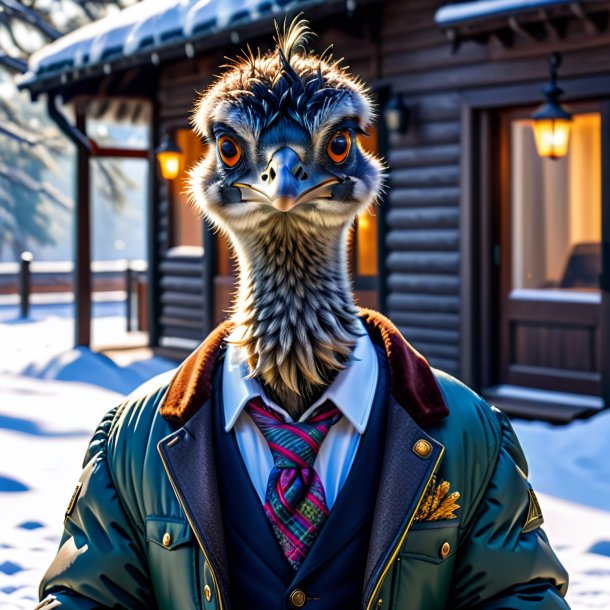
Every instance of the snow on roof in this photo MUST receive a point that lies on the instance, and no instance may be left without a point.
(146, 27)
(457, 14)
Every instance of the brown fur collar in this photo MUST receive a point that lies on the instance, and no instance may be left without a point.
(412, 382)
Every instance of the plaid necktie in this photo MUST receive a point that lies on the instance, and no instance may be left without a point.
(295, 501)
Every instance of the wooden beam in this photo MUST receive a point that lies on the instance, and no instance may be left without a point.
(130, 153)
(153, 275)
(504, 36)
(591, 27)
(532, 31)
(209, 271)
(82, 244)
(605, 275)
(383, 148)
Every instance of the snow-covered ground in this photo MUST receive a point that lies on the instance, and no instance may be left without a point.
(52, 397)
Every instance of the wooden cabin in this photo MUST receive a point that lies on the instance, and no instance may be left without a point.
(492, 261)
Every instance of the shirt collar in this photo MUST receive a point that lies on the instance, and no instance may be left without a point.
(352, 391)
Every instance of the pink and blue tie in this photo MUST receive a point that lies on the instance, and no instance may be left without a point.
(295, 501)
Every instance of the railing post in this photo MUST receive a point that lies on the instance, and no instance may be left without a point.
(128, 298)
(25, 284)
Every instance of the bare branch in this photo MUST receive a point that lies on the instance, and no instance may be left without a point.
(21, 179)
(14, 64)
(10, 111)
(8, 22)
(110, 184)
(18, 134)
(30, 16)
(84, 6)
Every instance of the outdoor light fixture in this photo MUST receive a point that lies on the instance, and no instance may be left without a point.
(396, 114)
(551, 122)
(169, 155)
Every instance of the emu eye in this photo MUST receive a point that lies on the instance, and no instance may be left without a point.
(339, 146)
(229, 151)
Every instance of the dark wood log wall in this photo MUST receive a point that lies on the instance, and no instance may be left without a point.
(411, 55)
(423, 203)
(183, 306)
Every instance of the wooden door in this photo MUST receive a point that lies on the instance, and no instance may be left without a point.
(548, 257)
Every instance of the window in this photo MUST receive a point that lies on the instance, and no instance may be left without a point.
(187, 227)
(556, 211)
(364, 242)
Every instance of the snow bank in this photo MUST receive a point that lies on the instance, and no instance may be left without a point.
(572, 461)
(83, 365)
(44, 430)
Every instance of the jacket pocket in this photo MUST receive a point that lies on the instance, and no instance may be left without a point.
(434, 542)
(168, 532)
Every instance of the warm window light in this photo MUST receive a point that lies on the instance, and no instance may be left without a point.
(367, 244)
(551, 122)
(363, 220)
(552, 137)
(169, 155)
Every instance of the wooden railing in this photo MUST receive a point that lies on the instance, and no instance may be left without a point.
(125, 278)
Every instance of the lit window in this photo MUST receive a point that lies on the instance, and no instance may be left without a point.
(187, 229)
(556, 210)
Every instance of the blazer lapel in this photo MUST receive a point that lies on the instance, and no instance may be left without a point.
(188, 457)
(247, 516)
(405, 474)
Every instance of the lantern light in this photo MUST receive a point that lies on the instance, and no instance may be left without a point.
(169, 155)
(551, 121)
(396, 114)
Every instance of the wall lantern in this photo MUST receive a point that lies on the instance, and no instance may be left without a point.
(169, 155)
(396, 114)
(551, 122)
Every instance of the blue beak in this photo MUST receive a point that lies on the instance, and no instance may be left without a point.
(286, 181)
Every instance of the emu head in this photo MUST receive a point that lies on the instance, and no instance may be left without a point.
(284, 127)
(285, 179)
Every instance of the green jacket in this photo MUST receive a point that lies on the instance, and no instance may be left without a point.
(144, 527)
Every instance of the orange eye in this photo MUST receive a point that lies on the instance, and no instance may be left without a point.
(339, 146)
(229, 151)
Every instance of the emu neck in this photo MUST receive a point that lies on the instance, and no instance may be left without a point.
(295, 314)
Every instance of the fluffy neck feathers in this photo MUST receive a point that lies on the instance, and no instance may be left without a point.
(295, 317)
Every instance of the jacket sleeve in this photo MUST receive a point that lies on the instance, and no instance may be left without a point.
(506, 560)
(101, 561)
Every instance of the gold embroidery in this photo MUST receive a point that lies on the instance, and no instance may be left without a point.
(73, 500)
(534, 514)
(438, 503)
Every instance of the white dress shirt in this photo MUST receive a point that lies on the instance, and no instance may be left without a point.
(352, 392)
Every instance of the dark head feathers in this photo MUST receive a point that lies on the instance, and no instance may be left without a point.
(255, 90)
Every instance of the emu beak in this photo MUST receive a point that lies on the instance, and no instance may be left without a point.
(284, 204)
(285, 183)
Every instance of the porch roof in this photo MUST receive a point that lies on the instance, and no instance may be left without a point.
(476, 18)
(464, 12)
(144, 33)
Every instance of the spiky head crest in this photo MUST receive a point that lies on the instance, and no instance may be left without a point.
(257, 89)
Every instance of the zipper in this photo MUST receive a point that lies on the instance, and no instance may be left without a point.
(188, 518)
(403, 535)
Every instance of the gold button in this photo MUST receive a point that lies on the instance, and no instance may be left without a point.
(422, 448)
(445, 549)
(207, 592)
(167, 539)
(298, 598)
